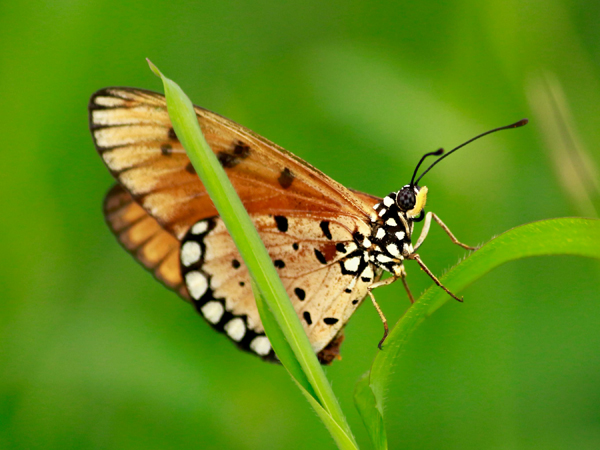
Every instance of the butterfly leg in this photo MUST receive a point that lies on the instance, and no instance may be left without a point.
(433, 277)
(382, 317)
(410, 296)
(380, 283)
(425, 230)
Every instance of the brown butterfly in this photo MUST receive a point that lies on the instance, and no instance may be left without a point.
(330, 244)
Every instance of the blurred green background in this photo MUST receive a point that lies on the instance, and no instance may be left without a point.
(95, 354)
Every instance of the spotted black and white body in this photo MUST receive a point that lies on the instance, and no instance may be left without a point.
(389, 242)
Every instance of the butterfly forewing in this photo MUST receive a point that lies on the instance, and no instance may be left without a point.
(306, 220)
(134, 136)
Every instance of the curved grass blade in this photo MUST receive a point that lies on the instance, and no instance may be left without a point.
(286, 356)
(565, 236)
(282, 349)
(252, 250)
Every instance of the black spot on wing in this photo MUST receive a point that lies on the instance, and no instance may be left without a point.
(331, 320)
(241, 150)
(171, 134)
(340, 247)
(232, 158)
(325, 228)
(236, 264)
(355, 301)
(320, 256)
(307, 317)
(190, 169)
(295, 246)
(282, 223)
(227, 160)
(279, 263)
(286, 178)
(300, 293)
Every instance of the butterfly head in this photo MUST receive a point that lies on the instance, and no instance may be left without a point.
(411, 200)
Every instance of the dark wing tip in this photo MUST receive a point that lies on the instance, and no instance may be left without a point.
(104, 92)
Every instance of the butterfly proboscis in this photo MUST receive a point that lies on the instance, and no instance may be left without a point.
(329, 243)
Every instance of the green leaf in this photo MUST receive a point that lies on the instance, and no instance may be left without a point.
(290, 338)
(567, 236)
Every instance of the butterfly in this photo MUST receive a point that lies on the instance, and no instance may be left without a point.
(330, 244)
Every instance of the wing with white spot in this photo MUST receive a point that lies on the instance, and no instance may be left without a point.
(324, 273)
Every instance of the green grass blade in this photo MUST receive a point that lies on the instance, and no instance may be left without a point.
(280, 345)
(372, 417)
(566, 236)
(252, 250)
(286, 355)
(340, 436)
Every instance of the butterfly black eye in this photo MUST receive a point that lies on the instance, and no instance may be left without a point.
(406, 198)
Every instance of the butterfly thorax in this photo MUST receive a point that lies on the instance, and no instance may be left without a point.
(392, 227)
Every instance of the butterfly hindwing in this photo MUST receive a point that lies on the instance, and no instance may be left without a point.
(142, 236)
(309, 264)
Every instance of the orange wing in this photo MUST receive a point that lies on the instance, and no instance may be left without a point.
(160, 198)
(142, 236)
(134, 136)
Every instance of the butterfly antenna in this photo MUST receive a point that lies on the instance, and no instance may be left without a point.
(518, 124)
(436, 153)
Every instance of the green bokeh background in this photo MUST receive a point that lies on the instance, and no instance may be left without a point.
(95, 354)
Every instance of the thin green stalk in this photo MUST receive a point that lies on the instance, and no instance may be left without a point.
(256, 258)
